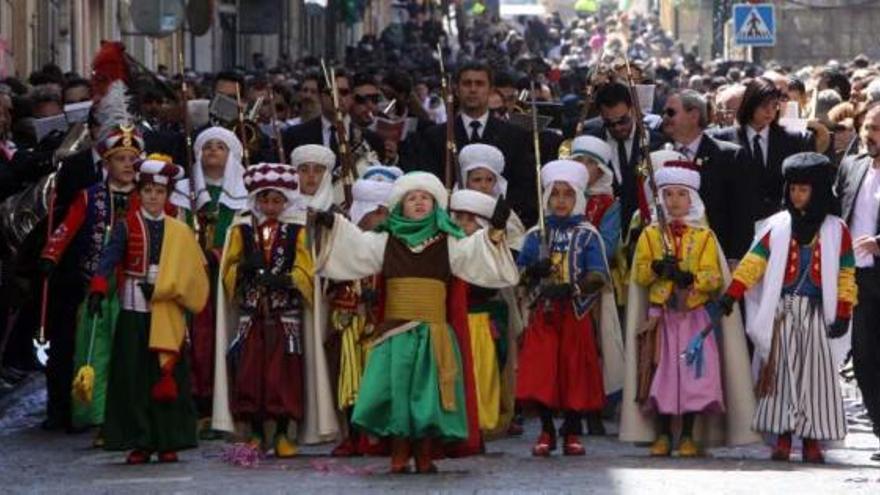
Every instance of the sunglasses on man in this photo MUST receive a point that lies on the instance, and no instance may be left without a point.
(625, 120)
(373, 98)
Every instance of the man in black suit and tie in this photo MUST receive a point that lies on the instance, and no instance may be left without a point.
(722, 167)
(616, 126)
(858, 187)
(473, 124)
(766, 142)
(320, 130)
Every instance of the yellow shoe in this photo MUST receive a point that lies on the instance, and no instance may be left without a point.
(661, 447)
(284, 448)
(688, 448)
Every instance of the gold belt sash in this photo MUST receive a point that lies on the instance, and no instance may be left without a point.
(424, 299)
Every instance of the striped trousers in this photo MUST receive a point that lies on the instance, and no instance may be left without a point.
(806, 399)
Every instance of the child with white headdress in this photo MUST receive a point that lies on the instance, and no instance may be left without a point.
(494, 323)
(411, 389)
(266, 274)
(355, 310)
(675, 372)
(149, 408)
(218, 177)
(603, 209)
(314, 168)
(482, 166)
(559, 366)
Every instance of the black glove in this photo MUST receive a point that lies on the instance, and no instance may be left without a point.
(540, 269)
(147, 289)
(94, 304)
(46, 267)
(591, 283)
(838, 329)
(558, 291)
(275, 281)
(682, 279)
(666, 267)
(726, 304)
(369, 296)
(252, 264)
(324, 218)
(500, 215)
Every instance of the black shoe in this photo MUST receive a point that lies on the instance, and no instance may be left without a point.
(51, 424)
(595, 425)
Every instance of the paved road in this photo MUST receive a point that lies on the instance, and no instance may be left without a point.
(33, 461)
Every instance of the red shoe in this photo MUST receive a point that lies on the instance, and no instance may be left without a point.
(137, 457)
(573, 446)
(813, 452)
(170, 456)
(424, 457)
(782, 451)
(546, 443)
(400, 454)
(346, 448)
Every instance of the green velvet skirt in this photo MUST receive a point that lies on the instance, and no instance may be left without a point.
(400, 391)
(133, 419)
(94, 341)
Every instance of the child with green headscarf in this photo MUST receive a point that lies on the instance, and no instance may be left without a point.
(412, 387)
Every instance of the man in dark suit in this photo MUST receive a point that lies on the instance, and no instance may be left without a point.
(766, 143)
(615, 125)
(473, 124)
(320, 130)
(722, 166)
(858, 187)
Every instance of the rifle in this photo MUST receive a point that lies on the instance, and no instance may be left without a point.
(451, 151)
(187, 132)
(646, 167)
(536, 140)
(341, 135)
(279, 147)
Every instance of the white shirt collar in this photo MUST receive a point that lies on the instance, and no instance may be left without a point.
(765, 134)
(692, 147)
(483, 119)
(148, 216)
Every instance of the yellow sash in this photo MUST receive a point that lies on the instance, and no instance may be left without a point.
(424, 299)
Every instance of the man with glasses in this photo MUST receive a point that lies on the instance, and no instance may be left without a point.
(616, 126)
(858, 187)
(321, 130)
(722, 186)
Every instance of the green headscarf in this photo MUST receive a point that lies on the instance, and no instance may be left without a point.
(415, 232)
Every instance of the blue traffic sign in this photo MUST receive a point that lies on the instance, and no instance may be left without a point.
(754, 25)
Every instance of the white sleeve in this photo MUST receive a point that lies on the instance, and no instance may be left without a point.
(348, 253)
(479, 261)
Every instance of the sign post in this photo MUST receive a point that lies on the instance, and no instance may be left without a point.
(754, 25)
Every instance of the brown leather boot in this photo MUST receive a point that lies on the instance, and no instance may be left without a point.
(400, 454)
(424, 457)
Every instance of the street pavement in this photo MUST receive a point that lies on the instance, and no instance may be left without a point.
(34, 461)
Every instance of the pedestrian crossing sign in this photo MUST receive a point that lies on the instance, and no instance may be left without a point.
(754, 24)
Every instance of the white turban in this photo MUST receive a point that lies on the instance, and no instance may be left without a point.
(572, 173)
(323, 198)
(681, 174)
(599, 151)
(372, 190)
(478, 155)
(233, 194)
(418, 181)
(480, 204)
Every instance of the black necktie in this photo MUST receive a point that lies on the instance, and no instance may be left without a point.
(757, 150)
(622, 160)
(475, 131)
(334, 143)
